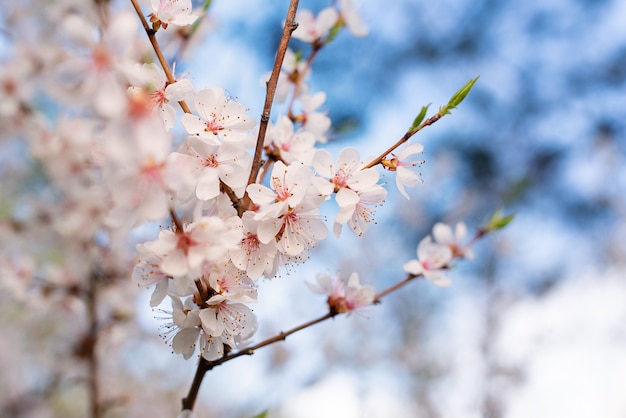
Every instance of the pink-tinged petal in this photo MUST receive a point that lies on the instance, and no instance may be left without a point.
(323, 164)
(324, 186)
(346, 197)
(348, 158)
(175, 264)
(184, 20)
(443, 233)
(433, 255)
(210, 323)
(326, 19)
(410, 150)
(192, 124)
(438, 278)
(363, 179)
(168, 115)
(179, 90)
(210, 102)
(268, 229)
(208, 185)
(184, 341)
(260, 194)
(460, 231)
(413, 267)
(160, 291)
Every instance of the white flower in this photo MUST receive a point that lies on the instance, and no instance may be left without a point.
(317, 123)
(253, 256)
(311, 29)
(443, 235)
(205, 240)
(399, 164)
(288, 145)
(220, 119)
(354, 187)
(151, 89)
(289, 186)
(209, 164)
(297, 230)
(351, 18)
(432, 258)
(175, 12)
(344, 295)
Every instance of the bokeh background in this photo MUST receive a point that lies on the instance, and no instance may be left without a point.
(535, 325)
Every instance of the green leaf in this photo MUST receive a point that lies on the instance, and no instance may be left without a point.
(497, 221)
(333, 32)
(261, 415)
(458, 97)
(419, 119)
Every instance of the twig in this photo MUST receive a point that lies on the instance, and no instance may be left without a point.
(402, 140)
(157, 50)
(290, 26)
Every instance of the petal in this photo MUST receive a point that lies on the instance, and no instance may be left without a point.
(413, 267)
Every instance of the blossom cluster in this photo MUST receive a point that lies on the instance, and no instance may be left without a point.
(134, 143)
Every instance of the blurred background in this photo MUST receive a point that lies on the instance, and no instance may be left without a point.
(534, 326)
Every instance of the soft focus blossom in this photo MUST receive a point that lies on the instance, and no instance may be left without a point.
(311, 28)
(400, 163)
(290, 146)
(175, 12)
(443, 234)
(432, 259)
(344, 295)
(352, 19)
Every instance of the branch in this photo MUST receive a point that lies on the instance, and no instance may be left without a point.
(206, 365)
(290, 26)
(402, 140)
(157, 50)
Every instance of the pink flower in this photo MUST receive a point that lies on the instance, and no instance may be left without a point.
(344, 295)
(253, 256)
(354, 187)
(207, 165)
(220, 119)
(289, 187)
(184, 252)
(351, 18)
(288, 145)
(297, 230)
(311, 29)
(151, 90)
(400, 163)
(443, 235)
(175, 12)
(432, 258)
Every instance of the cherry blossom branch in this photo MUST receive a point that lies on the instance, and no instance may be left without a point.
(419, 124)
(402, 140)
(157, 50)
(90, 342)
(290, 26)
(496, 222)
(205, 365)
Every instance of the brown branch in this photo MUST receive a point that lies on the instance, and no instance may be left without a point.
(157, 50)
(90, 344)
(402, 140)
(290, 26)
(205, 365)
